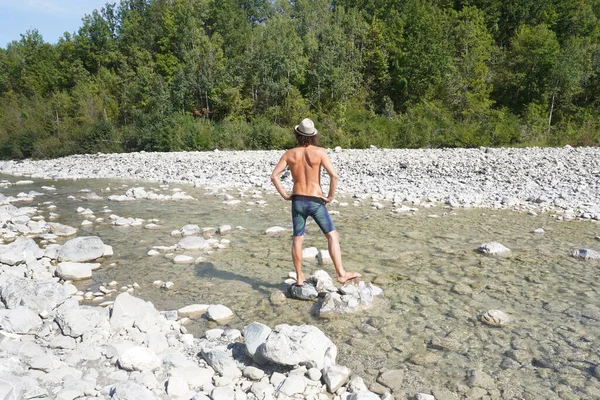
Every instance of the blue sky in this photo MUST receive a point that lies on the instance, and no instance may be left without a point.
(50, 17)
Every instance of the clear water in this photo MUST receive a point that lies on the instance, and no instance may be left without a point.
(436, 286)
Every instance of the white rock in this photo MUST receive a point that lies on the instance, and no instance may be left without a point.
(177, 386)
(293, 384)
(192, 243)
(335, 376)
(493, 249)
(424, 396)
(224, 229)
(153, 253)
(139, 358)
(183, 259)
(193, 310)
(275, 230)
(219, 313)
(495, 318)
(323, 257)
(75, 271)
(81, 249)
(309, 254)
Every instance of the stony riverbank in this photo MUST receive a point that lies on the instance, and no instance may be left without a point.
(566, 179)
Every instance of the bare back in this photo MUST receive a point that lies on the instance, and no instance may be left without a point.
(305, 166)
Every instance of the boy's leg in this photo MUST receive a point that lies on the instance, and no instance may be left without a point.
(297, 258)
(333, 245)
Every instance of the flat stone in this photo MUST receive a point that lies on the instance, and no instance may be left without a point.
(219, 313)
(193, 310)
(392, 378)
(75, 271)
(293, 384)
(81, 249)
(183, 259)
(193, 243)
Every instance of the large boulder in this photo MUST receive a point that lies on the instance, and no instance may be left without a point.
(82, 249)
(19, 320)
(75, 271)
(19, 251)
(128, 311)
(255, 335)
(139, 358)
(304, 345)
(40, 296)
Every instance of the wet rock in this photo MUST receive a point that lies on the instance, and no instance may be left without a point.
(353, 296)
(495, 318)
(425, 359)
(586, 254)
(190, 230)
(335, 376)
(304, 292)
(323, 257)
(303, 345)
(192, 243)
(219, 313)
(493, 249)
(75, 271)
(183, 259)
(274, 230)
(277, 297)
(482, 380)
(309, 254)
(62, 230)
(193, 310)
(82, 249)
(392, 378)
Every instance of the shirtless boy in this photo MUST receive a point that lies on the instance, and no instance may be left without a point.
(305, 162)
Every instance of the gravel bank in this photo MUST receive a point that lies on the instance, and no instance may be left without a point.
(529, 178)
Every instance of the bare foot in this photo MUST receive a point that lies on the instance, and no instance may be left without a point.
(300, 281)
(347, 276)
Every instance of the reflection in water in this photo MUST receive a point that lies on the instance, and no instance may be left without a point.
(436, 286)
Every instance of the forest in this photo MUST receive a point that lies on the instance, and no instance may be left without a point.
(186, 75)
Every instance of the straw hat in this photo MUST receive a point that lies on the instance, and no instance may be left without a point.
(306, 128)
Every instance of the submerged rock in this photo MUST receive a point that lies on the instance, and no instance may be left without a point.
(586, 254)
(353, 296)
(495, 318)
(493, 249)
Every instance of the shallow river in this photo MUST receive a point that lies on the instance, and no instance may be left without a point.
(436, 286)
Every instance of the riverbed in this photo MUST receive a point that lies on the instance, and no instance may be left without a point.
(436, 285)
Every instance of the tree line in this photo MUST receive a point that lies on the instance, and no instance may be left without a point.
(165, 75)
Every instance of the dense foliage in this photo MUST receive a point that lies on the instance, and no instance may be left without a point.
(162, 75)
